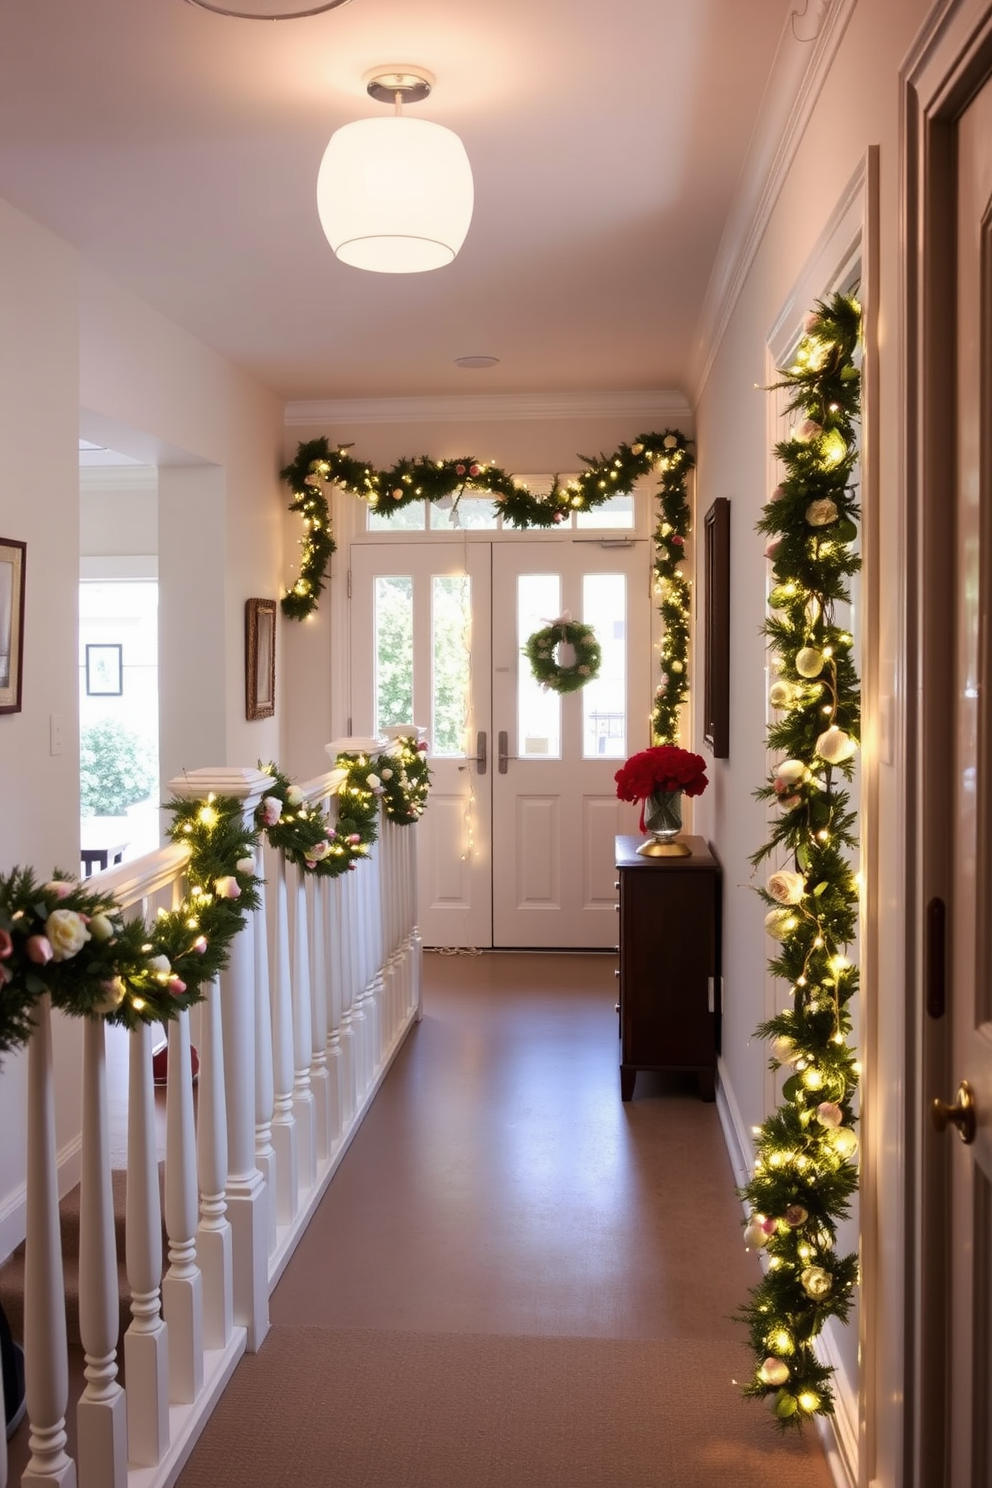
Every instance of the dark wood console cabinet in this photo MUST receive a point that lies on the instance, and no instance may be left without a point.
(669, 963)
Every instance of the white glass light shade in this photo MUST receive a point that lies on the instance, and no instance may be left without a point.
(395, 194)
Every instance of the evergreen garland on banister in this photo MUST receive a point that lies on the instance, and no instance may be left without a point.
(804, 1169)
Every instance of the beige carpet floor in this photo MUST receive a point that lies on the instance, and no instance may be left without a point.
(357, 1409)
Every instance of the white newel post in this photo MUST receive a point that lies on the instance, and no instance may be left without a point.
(213, 1236)
(265, 1156)
(101, 1413)
(303, 1101)
(284, 1135)
(145, 1342)
(353, 931)
(182, 1288)
(45, 1352)
(246, 1197)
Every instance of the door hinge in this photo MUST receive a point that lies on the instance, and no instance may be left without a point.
(349, 583)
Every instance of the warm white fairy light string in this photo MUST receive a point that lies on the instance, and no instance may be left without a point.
(804, 1172)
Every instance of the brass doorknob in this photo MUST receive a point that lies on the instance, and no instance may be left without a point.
(961, 1114)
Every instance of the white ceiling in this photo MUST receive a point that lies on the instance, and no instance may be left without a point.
(178, 150)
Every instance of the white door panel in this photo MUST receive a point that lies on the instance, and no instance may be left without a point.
(555, 812)
(453, 837)
(517, 851)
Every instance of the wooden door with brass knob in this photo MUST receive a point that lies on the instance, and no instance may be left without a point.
(958, 847)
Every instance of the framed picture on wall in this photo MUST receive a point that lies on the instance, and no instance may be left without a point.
(716, 637)
(12, 560)
(104, 670)
(260, 658)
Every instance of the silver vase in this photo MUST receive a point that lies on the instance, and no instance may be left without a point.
(663, 823)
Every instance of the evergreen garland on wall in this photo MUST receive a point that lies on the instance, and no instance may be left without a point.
(317, 465)
(804, 1171)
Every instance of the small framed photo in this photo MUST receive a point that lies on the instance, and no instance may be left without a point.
(12, 561)
(260, 658)
(716, 637)
(104, 671)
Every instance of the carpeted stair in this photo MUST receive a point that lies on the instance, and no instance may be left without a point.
(12, 1271)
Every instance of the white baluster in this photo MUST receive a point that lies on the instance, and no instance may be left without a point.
(101, 1413)
(303, 1101)
(213, 1237)
(284, 1137)
(265, 1154)
(319, 1077)
(374, 959)
(45, 1351)
(416, 942)
(182, 1288)
(352, 931)
(245, 1184)
(338, 1048)
(145, 1342)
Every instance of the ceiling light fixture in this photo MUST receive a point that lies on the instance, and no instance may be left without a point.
(269, 10)
(395, 194)
(476, 363)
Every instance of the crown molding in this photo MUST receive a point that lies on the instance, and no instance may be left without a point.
(487, 407)
(118, 478)
(798, 74)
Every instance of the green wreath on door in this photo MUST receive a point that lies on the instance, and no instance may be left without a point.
(565, 655)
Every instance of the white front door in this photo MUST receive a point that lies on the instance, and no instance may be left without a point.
(516, 848)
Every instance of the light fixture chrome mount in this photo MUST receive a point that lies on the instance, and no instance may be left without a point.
(268, 10)
(399, 82)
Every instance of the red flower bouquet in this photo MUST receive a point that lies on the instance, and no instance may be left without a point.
(661, 768)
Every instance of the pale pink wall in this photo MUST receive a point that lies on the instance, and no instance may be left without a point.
(859, 107)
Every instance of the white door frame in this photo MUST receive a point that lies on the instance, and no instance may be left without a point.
(950, 61)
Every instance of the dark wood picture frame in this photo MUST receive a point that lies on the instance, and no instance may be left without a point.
(13, 562)
(260, 658)
(716, 629)
(104, 669)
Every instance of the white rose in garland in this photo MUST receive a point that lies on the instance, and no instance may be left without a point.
(786, 887)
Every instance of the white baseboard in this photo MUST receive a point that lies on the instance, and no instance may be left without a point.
(14, 1210)
(735, 1133)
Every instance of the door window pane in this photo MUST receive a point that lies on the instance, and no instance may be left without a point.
(468, 514)
(604, 700)
(410, 518)
(451, 639)
(538, 711)
(393, 650)
(618, 511)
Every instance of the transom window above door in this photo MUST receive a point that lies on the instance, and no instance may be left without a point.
(476, 512)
